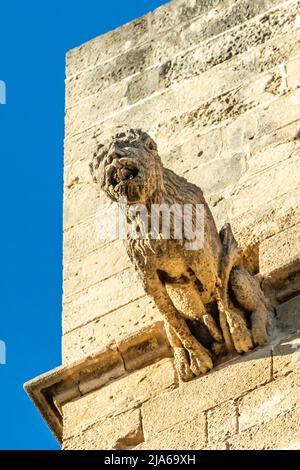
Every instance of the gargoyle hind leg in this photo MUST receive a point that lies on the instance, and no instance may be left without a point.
(249, 295)
(231, 319)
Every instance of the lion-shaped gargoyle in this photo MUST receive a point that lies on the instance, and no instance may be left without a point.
(210, 303)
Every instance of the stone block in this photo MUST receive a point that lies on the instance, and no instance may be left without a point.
(95, 267)
(108, 79)
(122, 395)
(222, 422)
(223, 16)
(207, 392)
(259, 189)
(269, 401)
(293, 73)
(187, 435)
(77, 148)
(82, 239)
(279, 255)
(286, 357)
(106, 47)
(219, 174)
(223, 47)
(81, 201)
(175, 13)
(101, 298)
(119, 432)
(282, 433)
(288, 316)
(115, 327)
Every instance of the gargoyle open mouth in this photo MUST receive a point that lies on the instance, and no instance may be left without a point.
(120, 175)
(121, 172)
(125, 174)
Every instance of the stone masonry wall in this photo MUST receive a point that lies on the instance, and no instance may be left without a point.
(217, 84)
(251, 402)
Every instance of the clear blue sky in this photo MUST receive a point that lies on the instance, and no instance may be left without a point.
(34, 37)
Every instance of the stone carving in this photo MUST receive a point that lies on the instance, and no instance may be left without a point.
(210, 303)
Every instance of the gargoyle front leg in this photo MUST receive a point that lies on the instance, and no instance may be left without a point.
(199, 357)
(181, 358)
(249, 295)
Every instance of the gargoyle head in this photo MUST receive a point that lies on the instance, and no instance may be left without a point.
(128, 165)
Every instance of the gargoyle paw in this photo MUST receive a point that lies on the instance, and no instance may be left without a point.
(182, 364)
(201, 362)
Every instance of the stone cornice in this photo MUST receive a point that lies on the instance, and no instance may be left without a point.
(51, 390)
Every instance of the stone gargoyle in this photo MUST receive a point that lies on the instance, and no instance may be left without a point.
(210, 303)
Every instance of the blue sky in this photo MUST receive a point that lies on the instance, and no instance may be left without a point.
(34, 37)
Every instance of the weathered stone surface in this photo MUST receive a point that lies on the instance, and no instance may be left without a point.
(213, 82)
(258, 222)
(222, 422)
(80, 203)
(207, 391)
(191, 151)
(107, 47)
(282, 433)
(115, 327)
(225, 46)
(225, 16)
(280, 255)
(95, 267)
(286, 357)
(113, 72)
(142, 86)
(82, 239)
(101, 298)
(271, 156)
(159, 51)
(269, 401)
(293, 73)
(88, 114)
(117, 397)
(79, 147)
(214, 176)
(189, 434)
(179, 12)
(216, 446)
(288, 316)
(145, 348)
(265, 186)
(119, 432)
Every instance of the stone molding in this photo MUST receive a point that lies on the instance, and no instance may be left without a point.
(51, 390)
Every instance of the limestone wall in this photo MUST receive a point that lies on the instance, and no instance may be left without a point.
(250, 403)
(217, 84)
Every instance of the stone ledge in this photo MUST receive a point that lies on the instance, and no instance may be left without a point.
(51, 390)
